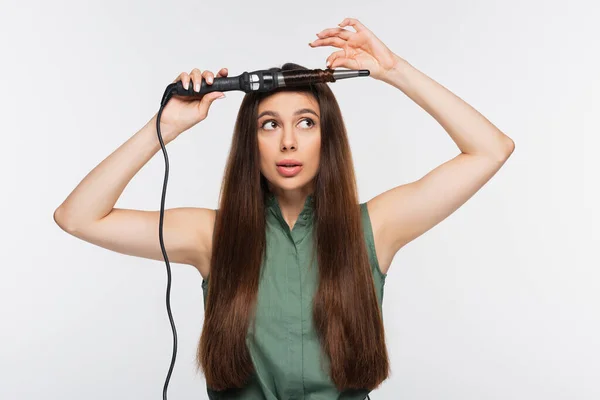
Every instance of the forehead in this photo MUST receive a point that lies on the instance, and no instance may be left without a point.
(286, 103)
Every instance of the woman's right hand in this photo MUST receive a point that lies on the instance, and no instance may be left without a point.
(183, 112)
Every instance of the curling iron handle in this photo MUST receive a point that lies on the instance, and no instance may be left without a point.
(220, 84)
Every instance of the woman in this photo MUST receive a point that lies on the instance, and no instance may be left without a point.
(293, 270)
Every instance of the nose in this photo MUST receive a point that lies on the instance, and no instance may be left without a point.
(288, 140)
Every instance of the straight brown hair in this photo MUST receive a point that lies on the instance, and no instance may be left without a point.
(346, 314)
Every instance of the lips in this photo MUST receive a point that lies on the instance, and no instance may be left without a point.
(289, 171)
(289, 162)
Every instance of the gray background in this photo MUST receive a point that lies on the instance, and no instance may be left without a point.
(499, 301)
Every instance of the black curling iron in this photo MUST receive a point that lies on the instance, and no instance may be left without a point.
(256, 81)
(263, 81)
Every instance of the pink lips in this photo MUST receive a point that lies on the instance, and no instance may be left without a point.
(289, 171)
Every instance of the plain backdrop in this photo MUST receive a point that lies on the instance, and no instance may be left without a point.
(499, 301)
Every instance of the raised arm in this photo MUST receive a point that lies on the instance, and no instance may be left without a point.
(407, 211)
(88, 213)
(403, 213)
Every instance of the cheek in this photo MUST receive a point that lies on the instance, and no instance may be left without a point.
(316, 149)
(266, 155)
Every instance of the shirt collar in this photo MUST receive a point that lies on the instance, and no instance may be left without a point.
(273, 205)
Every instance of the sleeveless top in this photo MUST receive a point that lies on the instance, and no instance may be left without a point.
(283, 343)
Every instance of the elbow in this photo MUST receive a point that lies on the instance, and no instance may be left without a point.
(60, 220)
(510, 146)
(505, 149)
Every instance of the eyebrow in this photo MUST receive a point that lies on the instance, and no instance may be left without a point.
(298, 112)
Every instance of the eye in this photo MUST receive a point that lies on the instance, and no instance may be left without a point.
(265, 123)
(312, 123)
(272, 121)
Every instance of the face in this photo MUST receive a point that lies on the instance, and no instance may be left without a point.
(289, 127)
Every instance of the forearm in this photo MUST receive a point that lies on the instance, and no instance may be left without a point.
(95, 196)
(470, 130)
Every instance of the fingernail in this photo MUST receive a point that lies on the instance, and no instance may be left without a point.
(222, 96)
(197, 87)
(186, 85)
(210, 80)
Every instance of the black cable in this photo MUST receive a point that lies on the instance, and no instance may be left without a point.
(162, 244)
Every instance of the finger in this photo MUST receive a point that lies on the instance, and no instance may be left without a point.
(184, 78)
(330, 41)
(206, 101)
(353, 22)
(222, 72)
(208, 77)
(339, 32)
(344, 62)
(196, 76)
(333, 57)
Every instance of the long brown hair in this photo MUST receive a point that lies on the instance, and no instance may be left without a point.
(346, 314)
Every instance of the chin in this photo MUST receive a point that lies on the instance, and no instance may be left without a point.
(289, 183)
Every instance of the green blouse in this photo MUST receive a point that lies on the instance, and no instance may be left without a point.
(283, 344)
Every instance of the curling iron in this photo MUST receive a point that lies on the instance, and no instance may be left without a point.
(255, 81)
(263, 81)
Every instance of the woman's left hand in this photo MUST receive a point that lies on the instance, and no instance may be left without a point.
(360, 49)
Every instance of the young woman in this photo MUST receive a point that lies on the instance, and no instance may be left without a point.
(293, 267)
